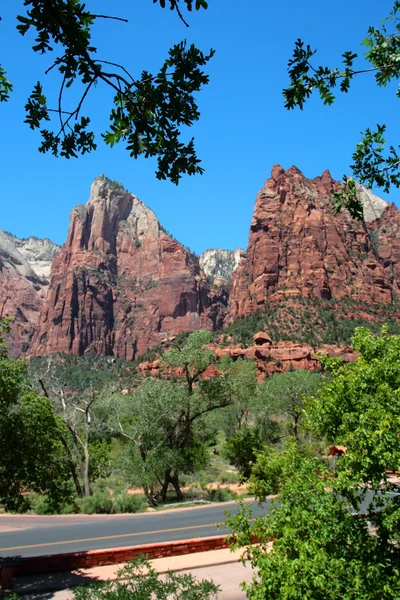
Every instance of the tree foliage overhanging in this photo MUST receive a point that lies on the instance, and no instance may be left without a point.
(375, 163)
(147, 113)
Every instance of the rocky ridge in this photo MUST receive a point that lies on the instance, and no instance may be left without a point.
(270, 357)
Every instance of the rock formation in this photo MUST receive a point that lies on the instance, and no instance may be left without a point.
(269, 357)
(24, 272)
(299, 248)
(38, 253)
(121, 284)
(219, 265)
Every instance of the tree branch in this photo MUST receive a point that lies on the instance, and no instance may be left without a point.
(180, 15)
(209, 409)
(109, 17)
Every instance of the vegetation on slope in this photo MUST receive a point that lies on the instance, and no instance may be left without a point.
(313, 321)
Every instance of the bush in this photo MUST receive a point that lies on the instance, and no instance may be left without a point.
(125, 503)
(221, 495)
(229, 477)
(114, 482)
(98, 504)
(196, 492)
(40, 505)
(140, 581)
(106, 503)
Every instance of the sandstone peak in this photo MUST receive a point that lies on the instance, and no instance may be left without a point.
(103, 186)
(298, 247)
(121, 284)
(277, 172)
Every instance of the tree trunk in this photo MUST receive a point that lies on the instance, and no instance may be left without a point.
(72, 467)
(175, 483)
(296, 427)
(77, 451)
(86, 482)
(164, 489)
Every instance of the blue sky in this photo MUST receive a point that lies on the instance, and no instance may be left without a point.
(243, 129)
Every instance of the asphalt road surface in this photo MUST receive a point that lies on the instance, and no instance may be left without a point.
(35, 536)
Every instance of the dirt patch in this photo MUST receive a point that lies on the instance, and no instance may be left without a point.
(237, 488)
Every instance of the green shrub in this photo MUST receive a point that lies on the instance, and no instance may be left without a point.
(114, 482)
(221, 495)
(196, 492)
(229, 477)
(104, 502)
(133, 503)
(140, 581)
(40, 505)
(98, 504)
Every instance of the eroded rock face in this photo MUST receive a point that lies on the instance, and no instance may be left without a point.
(24, 272)
(120, 284)
(299, 248)
(219, 265)
(278, 357)
(38, 253)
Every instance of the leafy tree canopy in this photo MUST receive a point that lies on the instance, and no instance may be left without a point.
(148, 111)
(31, 456)
(374, 162)
(283, 395)
(167, 419)
(322, 548)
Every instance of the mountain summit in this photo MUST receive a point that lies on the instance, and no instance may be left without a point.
(121, 284)
(298, 247)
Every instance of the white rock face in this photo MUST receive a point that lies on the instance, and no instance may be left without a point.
(39, 253)
(30, 258)
(220, 264)
(373, 205)
(124, 210)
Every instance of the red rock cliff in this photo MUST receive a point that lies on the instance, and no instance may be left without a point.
(298, 247)
(120, 283)
(24, 271)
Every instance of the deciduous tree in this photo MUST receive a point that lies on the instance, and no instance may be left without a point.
(335, 535)
(31, 456)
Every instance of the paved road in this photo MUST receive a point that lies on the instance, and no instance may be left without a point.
(54, 535)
